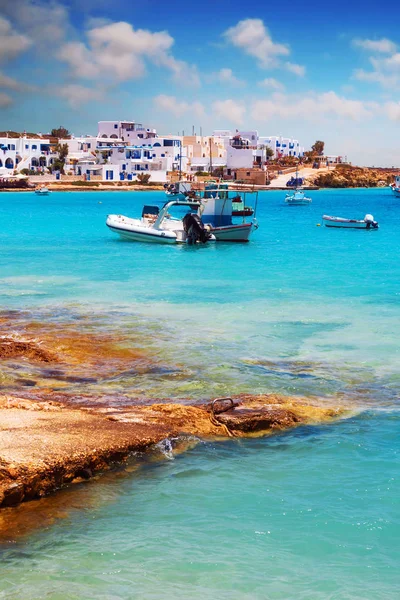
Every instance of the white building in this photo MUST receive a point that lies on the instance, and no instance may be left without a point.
(246, 149)
(24, 153)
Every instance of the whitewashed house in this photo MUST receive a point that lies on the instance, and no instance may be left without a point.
(24, 153)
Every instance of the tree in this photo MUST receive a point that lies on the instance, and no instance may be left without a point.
(59, 162)
(143, 178)
(105, 154)
(269, 153)
(60, 132)
(318, 148)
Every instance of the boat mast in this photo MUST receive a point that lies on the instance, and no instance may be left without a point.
(210, 156)
(180, 160)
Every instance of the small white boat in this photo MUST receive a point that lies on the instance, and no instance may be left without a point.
(396, 186)
(367, 222)
(158, 226)
(178, 190)
(297, 197)
(42, 191)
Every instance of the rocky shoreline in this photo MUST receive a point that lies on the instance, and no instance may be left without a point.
(45, 445)
(347, 176)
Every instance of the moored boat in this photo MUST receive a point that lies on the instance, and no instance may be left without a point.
(42, 191)
(367, 223)
(158, 226)
(298, 197)
(178, 190)
(396, 185)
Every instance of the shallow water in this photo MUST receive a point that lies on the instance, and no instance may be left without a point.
(301, 309)
(313, 513)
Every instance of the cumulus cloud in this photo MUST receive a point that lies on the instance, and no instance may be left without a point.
(45, 22)
(5, 100)
(226, 76)
(311, 107)
(118, 51)
(383, 45)
(229, 110)
(298, 70)
(76, 94)
(271, 83)
(11, 42)
(253, 37)
(177, 107)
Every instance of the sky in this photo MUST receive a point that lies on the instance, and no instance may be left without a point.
(314, 70)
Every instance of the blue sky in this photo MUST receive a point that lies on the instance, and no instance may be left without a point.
(313, 70)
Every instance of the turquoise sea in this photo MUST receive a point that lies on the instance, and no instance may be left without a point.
(300, 310)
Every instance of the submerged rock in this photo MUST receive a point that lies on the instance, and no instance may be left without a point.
(45, 445)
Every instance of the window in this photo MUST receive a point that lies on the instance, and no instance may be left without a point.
(34, 147)
(115, 126)
(109, 175)
(168, 142)
(26, 146)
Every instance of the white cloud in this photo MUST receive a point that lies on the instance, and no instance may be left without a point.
(383, 45)
(254, 38)
(311, 107)
(11, 42)
(12, 84)
(226, 76)
(392, 110)
(384, 79)
(118, 51)
(272, 83)
(76, 94)
(229, 110)
(5, 100)
(45, 22)
(176, 107)
(386, 71)
(298, 70)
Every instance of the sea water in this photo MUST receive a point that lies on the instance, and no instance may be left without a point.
(300, 310)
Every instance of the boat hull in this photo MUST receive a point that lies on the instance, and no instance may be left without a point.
(346, 223)
(233, 233)
(396, 191)
(134, 230)
(304, 202)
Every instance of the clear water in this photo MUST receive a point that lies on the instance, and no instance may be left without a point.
(301, 309)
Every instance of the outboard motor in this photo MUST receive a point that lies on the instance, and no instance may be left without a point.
(194, 229)
(371, 224)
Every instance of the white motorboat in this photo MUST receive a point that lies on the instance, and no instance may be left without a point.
(367, 222)
(42, 191)
(396, 186)
(297, 197)
(158, 226)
